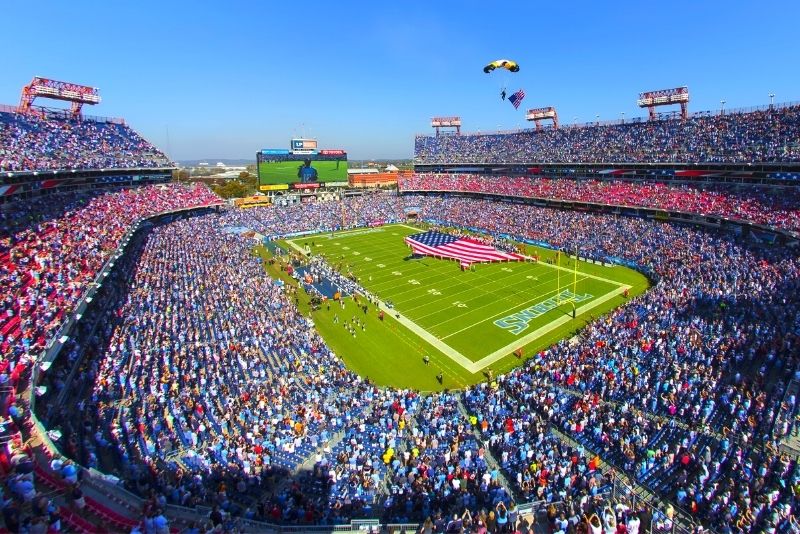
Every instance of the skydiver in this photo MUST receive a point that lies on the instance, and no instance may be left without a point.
(503, 94)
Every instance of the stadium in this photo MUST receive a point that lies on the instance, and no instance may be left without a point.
(565, 328)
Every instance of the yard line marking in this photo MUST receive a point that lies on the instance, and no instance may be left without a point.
(507, 311)
(443, 347)
(455, 317)
(472, 289)
(435, 279)
(502, 352)
(552, 325)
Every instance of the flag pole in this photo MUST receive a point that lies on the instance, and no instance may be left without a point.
(558, 275)
(575, 279)
(575, 282)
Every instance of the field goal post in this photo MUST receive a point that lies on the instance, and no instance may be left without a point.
(574, 281)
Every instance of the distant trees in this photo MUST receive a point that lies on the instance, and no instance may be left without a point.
(181, 175)
(243, 186)
(232, 189)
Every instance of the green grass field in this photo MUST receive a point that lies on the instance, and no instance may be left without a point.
(466, 322)
(282, 172)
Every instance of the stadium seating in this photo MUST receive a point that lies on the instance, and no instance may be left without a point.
(39, 141)
(684, 388)
(759, 136)
(51, 250)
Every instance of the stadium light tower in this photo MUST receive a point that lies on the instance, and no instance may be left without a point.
(77, 94)
(722, 107)
(537, 115)
(446, 123)
(771, 100)
(623, 117)
(665, 97)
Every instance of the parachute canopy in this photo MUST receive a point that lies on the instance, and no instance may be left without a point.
(501, 64)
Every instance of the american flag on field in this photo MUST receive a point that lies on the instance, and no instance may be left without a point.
(465, 250)
(516, 98)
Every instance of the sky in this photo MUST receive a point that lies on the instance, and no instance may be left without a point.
(212, 79)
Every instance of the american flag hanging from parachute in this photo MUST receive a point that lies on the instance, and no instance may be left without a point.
(516, 98)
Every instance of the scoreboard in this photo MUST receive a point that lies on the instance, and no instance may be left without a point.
(303, 144)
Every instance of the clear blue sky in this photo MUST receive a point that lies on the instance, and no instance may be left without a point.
(228, 78)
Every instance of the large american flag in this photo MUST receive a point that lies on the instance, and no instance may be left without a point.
(516, 98)
(463, 249)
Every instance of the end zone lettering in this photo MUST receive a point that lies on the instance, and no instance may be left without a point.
(518, 322)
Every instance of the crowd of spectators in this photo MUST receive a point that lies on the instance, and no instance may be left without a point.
(351, 212)
(771, 206)
(23, 505)
(220, 372)
(759, 136)
(51, 249)
(42, 141)
(206, 385)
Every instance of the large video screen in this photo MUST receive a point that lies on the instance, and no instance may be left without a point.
(285, 167)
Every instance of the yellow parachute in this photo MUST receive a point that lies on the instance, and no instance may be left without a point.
(507, 64)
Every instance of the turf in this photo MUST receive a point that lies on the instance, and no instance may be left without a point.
(286, 171)
(456, 308)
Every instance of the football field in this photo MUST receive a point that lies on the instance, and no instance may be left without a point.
(474, 320)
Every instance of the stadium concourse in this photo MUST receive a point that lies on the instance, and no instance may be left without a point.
(195, 381)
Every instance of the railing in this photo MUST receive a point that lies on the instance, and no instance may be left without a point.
(664, 518)
(62, 114)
